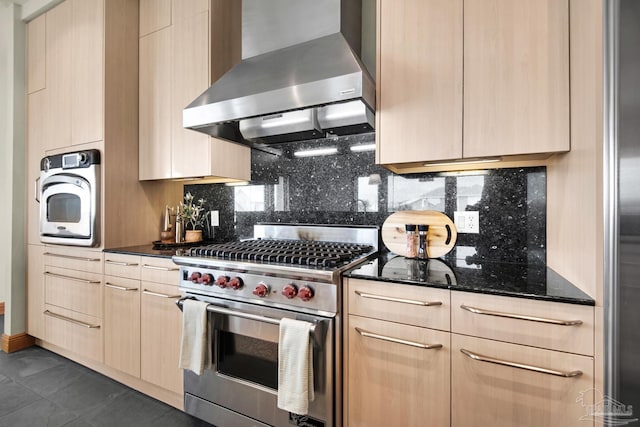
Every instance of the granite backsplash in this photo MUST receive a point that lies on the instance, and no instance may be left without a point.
(347, 187)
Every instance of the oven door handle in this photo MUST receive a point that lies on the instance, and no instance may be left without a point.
(222, 310)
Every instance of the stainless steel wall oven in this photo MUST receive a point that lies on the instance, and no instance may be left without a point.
(288, 271)
(69, 196)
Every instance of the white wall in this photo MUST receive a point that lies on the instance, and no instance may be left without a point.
(12, 161)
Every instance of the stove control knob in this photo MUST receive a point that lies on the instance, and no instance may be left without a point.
(222, 281)
(207, 279)
(305, 293)
(261, 290)
(195, 276)
(236, 283)
(290, 291)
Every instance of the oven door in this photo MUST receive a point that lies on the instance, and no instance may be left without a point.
(67, 210)
(241, 387)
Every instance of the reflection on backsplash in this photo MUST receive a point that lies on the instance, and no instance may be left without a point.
(292, 184)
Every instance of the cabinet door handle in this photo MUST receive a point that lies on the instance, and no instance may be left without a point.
(122, 263)
(75, 279)
(157, 294)
(70, 320)
(397, 340)
(155, 267)
(487, 359)
(400, 300)
(476, 310)
(120, 288)
(77, 258)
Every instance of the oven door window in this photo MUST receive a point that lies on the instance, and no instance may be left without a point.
(64, 207)
(248, 358)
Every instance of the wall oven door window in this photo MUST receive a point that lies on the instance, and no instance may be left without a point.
(69, 199)
(243, 381)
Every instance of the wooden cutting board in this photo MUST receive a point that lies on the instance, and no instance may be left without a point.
(441, 236)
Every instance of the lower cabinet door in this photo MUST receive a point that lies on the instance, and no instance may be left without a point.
(161, 330)
(122, 324)
(77, 332)
(500, 384)
(393, 382)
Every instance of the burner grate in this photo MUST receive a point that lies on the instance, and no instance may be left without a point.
(296, 252)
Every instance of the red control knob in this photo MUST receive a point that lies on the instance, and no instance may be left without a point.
(195, 277)
(222, 281)
(305, 293)
(207, 279)
(236, 283)
(290, 291)
(261, 290)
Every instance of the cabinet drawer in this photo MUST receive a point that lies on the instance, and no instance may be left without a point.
(496, 394)
(159, 270)
(545, 324)
(75, 259)
(413, 305)
(76, 332)
(73, 290)
(121, 265)
(391, 378)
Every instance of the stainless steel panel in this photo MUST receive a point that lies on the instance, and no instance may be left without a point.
(345, 114)
(212, 413)
(281, 124)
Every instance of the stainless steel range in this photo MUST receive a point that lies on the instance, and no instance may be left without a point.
(291, 271)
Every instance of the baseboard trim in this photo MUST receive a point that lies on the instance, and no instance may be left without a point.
(12, 343)
(1, 308)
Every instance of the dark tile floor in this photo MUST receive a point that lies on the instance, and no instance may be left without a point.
(40, 388)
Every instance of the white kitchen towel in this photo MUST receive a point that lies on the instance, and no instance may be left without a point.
(295, 366)
(195, 354)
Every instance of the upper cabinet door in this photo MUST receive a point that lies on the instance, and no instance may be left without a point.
(419, 81)
(516, 77)
(87, 55)
(154, 15)
(36, 54)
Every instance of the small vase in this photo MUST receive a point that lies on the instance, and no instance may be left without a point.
(193, 236)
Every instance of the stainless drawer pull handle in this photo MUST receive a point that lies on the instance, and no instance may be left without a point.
(70, 320)
(122, 263)
(75, 279)
(120, 288)
(521, 317)
(77, 258)
(397, 340)
(400, 300)
(156, 294)
(154, 267)
(481, 358)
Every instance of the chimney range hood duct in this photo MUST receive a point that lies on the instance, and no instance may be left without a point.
(299, 77)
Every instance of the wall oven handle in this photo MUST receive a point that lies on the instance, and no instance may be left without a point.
(400, 300)
(397, 340)
(77, 258)
(157, 294)
(120, 288)
(155, 267)
(36, 193)
(70, 320)
(487, 359)
(122, 263)
(476, 310)
(222, 310)
(76, 279)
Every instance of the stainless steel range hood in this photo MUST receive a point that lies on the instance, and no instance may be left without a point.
(287, 90)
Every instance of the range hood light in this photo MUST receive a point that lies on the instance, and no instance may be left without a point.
(237, 183)
(464, 162)
(316, 152)
(363, 147)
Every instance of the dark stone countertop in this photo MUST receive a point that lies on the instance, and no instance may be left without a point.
(160, 251)
(533, 281)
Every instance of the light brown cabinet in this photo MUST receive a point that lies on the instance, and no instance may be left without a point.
(481, 78)
(506, 369)
(178, 62)
(394, 370)
(35, 291)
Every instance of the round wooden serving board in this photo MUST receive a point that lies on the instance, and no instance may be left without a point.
(441, 236)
